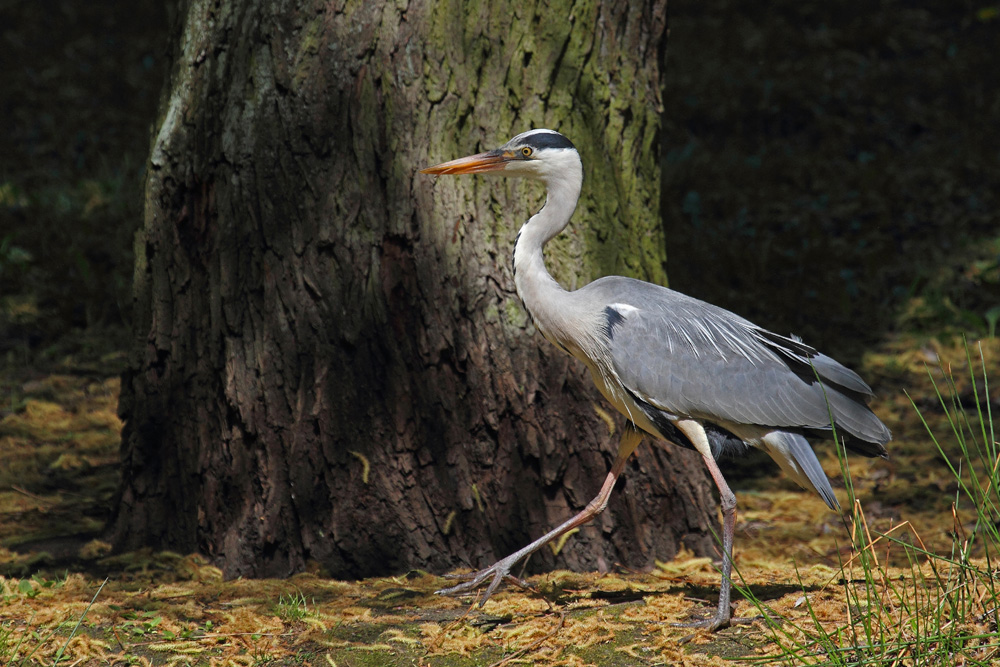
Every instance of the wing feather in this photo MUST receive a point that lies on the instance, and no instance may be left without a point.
(692, 359)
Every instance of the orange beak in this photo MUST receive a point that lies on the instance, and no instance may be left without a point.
(494, 160)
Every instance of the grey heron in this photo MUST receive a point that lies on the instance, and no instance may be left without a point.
(677, 368)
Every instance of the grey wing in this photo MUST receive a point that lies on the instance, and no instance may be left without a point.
(691, 359)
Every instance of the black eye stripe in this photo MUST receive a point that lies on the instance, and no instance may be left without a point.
(548, 140)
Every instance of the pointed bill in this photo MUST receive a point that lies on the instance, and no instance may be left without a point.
(495, 160)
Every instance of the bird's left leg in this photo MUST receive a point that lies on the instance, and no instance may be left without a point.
(723, 615)
(501, 569)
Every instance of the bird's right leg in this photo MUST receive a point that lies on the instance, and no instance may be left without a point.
(501, 569)
(723, 616)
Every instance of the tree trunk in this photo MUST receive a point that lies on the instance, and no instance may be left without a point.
(330, 363)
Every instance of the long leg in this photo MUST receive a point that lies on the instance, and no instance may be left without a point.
(501, 569)
(723, 615)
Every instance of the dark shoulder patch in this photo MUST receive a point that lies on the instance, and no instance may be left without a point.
(549, 140)
(612, 320)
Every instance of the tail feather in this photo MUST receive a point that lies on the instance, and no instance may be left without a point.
(797, 459)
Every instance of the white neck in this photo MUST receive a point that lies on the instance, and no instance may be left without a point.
(543, 297)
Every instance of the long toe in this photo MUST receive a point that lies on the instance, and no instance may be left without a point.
(711, 624)
(496, 573)
(718, 622)
(470, 582)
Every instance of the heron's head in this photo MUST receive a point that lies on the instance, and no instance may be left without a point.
(545, 155)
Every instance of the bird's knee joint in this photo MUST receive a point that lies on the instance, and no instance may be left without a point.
(728, 502)
(595, 508)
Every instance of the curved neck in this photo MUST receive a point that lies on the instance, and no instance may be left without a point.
(542, 296)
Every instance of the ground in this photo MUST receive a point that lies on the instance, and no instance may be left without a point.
(60, 441)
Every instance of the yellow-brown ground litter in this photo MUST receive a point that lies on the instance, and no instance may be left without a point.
(58, 441)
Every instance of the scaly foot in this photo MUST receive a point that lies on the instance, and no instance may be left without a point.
(498, 571)
(717, 621)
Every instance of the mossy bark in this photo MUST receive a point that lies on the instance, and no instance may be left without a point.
(330, 364)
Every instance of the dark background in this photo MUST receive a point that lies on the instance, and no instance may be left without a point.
(832, 168)
(78, 91)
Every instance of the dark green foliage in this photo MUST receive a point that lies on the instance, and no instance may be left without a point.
(831, 168)
(80, 90)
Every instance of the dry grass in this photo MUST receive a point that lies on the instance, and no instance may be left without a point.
(832, 585)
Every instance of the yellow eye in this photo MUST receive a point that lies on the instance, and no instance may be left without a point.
(526, 151)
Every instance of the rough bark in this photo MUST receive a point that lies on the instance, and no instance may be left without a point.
(330, 365)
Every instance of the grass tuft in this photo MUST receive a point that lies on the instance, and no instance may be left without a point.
(903, 603)
(293, 607)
